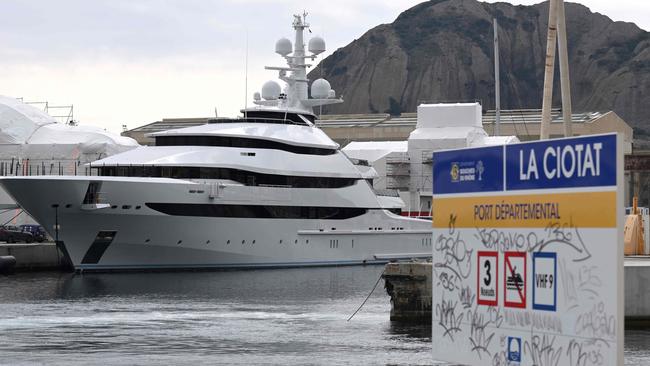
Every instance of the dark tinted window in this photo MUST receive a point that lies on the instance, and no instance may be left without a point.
(224, 141)
(257, 211)
(241, 176)
(268, 117)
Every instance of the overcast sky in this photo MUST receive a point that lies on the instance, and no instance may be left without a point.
(134, 62)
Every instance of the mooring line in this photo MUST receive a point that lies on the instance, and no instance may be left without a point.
(370, 294)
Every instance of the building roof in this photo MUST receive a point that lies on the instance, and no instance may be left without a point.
(518, 116)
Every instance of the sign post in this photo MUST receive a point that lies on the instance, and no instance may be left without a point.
(528, 253)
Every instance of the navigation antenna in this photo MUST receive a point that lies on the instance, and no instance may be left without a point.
(246, 79)
(295, 97)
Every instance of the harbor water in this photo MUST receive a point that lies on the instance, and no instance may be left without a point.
(290, 316)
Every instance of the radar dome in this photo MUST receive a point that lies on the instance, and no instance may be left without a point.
(283, 46)
(271, 90)
(316, 45)
(320, 89)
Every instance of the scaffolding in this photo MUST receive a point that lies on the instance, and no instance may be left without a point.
(398, 171)
(61, 113)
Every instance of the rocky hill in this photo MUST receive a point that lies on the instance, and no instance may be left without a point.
(442, 50)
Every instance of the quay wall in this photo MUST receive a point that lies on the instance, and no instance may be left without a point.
(34, 256)
(409, 286)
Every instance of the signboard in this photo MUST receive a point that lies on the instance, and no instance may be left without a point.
(514, 275)
(528, 253)
(487, 278)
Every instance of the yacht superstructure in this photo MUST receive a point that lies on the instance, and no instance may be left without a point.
(268, 189)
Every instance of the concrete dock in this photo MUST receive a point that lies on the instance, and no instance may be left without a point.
(34, 256)
(409, 286)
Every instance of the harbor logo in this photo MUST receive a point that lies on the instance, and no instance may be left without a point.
(480, 169)
(515, 280)
(455, 172)
(467, 171)
(476, 170)
(514, 349)
(487, 278)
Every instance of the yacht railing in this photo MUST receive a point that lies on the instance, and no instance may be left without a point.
(257, 120)
(37, 167)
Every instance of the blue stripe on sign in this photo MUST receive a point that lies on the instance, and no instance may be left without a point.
(574, 162)
(468, 170)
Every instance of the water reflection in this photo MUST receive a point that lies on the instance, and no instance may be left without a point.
(294, 316)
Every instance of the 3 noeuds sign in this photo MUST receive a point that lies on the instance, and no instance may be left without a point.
(528, 253)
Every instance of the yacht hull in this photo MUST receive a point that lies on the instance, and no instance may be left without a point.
(125, 234)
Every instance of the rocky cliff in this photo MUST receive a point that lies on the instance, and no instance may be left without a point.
(442, 50)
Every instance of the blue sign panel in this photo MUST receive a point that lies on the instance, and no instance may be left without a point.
(545, 281)
(514, 349)
(574, 162)
(468, 170)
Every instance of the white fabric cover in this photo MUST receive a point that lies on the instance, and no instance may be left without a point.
(27, 132)
(373, 150)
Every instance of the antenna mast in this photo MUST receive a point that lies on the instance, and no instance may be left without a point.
(246, 78)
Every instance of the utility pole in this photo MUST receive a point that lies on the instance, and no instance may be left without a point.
(549, 67)
(556, 30)
(497, 94)
(565, 85)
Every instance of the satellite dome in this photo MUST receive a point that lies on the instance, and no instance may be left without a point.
(320, 89)
(271, 90)
(283, 46)
(317, 45)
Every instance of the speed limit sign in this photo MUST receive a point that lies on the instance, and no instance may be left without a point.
(487, 278)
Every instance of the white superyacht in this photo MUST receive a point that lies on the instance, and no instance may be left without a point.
(269, 189)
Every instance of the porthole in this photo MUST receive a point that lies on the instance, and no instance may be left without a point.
(126, 207)
(243, 242)
(280, 241)
(138, 207)
(228, 242)
(253, 241)
(296, 242)
(68, 205)
(179, 242)
(147, 240)
(307, 241)
(207, 241)
(114, 207)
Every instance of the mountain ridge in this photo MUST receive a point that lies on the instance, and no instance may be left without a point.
(442, 50)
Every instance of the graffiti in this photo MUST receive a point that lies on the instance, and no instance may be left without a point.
(448, 319)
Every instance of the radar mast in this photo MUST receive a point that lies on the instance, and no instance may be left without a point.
(295, 97)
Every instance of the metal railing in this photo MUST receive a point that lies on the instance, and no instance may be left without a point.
(37, 167)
